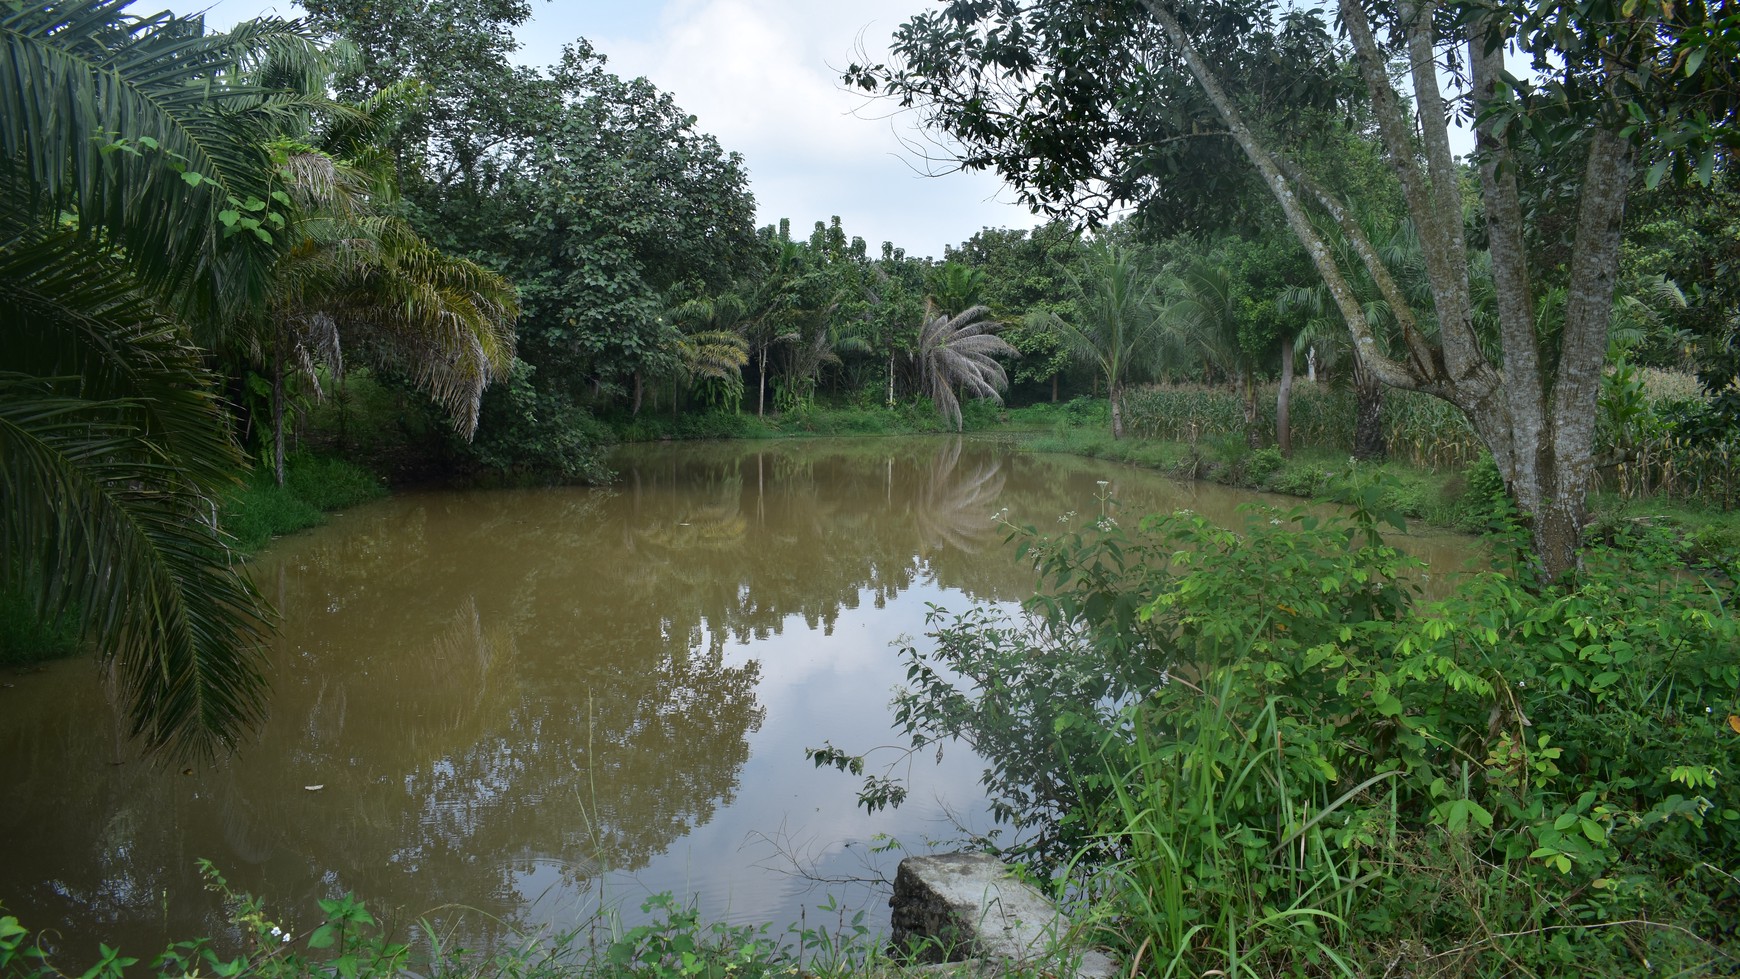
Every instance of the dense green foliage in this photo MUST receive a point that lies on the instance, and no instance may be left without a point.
(349, 942)
(1259, 750)
(225, 216)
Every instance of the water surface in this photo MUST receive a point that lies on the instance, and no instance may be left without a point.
(532, 704)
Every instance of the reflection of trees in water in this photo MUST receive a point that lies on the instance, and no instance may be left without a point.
(488, 684)
(464, 717)
(734, 542)
(957, 507)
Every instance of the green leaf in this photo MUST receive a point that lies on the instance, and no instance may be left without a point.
(193, 178)
(1695, 60)
(1386, 703)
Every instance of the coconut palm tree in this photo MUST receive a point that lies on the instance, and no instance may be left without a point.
(1119, 328)
(123, 142)
(959, 351)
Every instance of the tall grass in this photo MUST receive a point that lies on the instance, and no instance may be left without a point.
(1220, 865)
(261, 510)
(1650, 440)
(1421, 430)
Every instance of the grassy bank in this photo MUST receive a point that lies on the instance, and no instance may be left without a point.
(349, 942)
(908, 418)
(25, 639)
(313, 486)
(1465, 494)
(254, 514)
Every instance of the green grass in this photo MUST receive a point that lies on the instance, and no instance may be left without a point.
(261, 510)
(907, 418)
(25, 639)
(255, 513)
(672, 943)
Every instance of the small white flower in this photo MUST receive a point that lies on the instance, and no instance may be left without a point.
(1274, 521)
(1165, 677)
(276, 931)
(1519, 683)
(1102, 483)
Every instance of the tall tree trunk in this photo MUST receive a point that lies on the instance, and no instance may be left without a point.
(761, 387)
(1535, 415)
(637, 395)
(1284, 401)
(278, 412)
(1054, 377)
(1369, 442)
(1116, 392)
(1253, 438)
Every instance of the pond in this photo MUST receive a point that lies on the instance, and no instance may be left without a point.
(509, 709)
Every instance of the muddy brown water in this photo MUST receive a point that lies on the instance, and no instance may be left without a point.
(507, 710)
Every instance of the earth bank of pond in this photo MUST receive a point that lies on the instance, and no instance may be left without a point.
(534, 703)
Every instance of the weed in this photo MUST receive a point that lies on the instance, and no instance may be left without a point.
(261, 510)
(26, 639)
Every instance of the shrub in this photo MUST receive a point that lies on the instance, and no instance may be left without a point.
(1271, 759)
(25, 638)
(261, 509)
(1263, 464)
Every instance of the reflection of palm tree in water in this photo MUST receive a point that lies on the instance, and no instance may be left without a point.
(956, 506)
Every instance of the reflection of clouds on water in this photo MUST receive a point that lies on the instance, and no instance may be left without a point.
(528, 701)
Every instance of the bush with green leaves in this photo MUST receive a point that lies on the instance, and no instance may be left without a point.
(1273, 758)
(260, 509)
(349, 943)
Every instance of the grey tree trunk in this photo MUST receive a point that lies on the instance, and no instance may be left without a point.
(1369, 442)
(1117, 397)
(278, 413)
(1253, 438)
(1537, 418)
(1284, 401)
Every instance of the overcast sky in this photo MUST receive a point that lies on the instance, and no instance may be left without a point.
(763, 77)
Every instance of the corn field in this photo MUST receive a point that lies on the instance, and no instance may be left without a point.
(1643, 452)
(1421, 430)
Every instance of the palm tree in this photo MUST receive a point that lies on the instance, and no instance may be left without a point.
(1206, 312)
(710, 350)
(1119, 328)
(358, 280)
(113, 443)
(1325, 336)
(957, 287)
(959, 351)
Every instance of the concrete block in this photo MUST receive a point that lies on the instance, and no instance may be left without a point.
(961, 906)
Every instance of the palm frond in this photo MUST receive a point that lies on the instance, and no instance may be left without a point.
(959, 351)
(113, 448)
(121, 120)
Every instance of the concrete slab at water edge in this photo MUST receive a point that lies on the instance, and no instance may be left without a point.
(962, 906)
